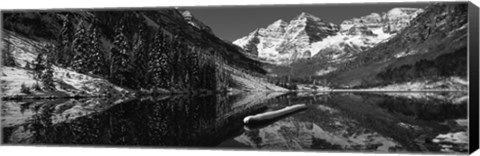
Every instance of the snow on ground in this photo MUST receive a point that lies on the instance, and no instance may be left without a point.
(67, 82)
(254, 98)
(406, 53)
(448, 84)
(325, 71)
(23, 50)
(12, 78)
(453, 140)
(409, 126)
(254, 84)
(86, 83)
(251, 83)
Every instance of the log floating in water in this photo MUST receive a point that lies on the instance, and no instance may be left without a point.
(273, 114)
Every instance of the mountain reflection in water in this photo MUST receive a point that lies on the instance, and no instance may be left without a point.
(387, 122)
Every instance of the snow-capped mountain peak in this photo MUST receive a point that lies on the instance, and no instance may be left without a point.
(278, 23)
(395, 12)
(190, 19)
(307, 35)
(398, 18)
(306, 16)
(281, 40)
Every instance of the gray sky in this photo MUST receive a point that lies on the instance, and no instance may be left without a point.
(231, 23)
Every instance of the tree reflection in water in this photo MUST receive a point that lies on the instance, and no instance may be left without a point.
(333, 121)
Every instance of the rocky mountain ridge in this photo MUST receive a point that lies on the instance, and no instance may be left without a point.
(306, 36)
(391, 22)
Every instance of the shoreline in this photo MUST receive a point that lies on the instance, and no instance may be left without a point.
(26, 97)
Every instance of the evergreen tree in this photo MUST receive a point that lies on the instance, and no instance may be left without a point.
(64, 55)
(139, 59)
(80, 50)
(47, 76)
(119, 56)
(67, 33)
(95, 58)
(7, 58)
(24, 89)
(27, 65)
(194, 67)
(157, 61)
(50, 52)
(39, 66)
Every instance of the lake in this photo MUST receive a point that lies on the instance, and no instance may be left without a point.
(343, 121)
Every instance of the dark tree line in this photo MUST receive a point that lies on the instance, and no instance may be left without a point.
(137, 56)
(452, 64)
(130, 52)
(43, 68)
(7, 58)
(174, 65)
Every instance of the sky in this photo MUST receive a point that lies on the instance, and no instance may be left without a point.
(231, 23)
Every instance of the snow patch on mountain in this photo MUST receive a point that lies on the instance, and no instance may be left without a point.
(22, 49)
(447, 84)
(343, 42)
(325, 71)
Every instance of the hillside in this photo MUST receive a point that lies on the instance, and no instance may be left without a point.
(432, 48)
(138, 50)
(19, 81)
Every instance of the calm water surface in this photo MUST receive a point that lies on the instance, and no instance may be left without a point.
(382, 122)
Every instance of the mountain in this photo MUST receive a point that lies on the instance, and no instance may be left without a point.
(187, 15)
(391, 22)
(282, 41)
(308, 36)
(167, 50)
(402, 49)
(431, 49)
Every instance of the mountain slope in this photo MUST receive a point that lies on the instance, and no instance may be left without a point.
(67, 83)
(431, 48)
